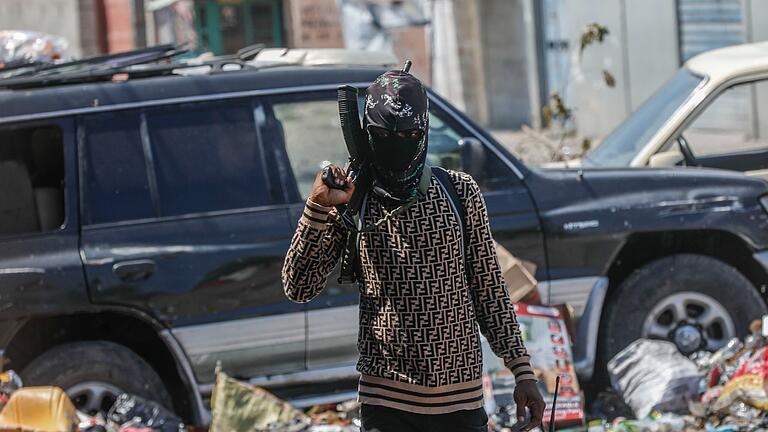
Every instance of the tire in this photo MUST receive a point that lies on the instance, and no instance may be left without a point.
(91, 372)
(648, 303)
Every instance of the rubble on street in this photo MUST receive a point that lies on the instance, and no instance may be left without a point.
(715, 392)
(657, 389)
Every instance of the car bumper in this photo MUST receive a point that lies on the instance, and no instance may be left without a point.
(586, 296)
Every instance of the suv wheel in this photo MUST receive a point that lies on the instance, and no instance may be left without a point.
(694, 301)
(94, 373)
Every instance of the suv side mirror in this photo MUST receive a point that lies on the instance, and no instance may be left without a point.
(472, 156)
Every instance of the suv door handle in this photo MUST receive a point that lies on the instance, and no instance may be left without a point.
(134, 271)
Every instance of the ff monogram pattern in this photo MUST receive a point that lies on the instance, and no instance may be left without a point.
(425, 290)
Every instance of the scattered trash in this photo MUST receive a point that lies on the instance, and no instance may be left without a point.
(652, 375)
(343, 417)
(9, 383)
(97, 423)
(655, 422)
(547, 340)
(239, 406)
(39, 409)
(22, 47)
(131, 411)
(724, 391)
(519, 276)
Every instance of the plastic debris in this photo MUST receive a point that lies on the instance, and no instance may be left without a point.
(22, 47)
(546, 338)
(131, 411)
(39, 409)
(9, 383)
(747, 386)
(656, 422)
(731, 393)
(652, 375)
(238, 406)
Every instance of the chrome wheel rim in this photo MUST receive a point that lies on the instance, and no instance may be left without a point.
(92, 397)
(692, 321)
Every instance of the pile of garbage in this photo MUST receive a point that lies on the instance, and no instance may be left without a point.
(236, 406)
(722, 391)
(19, 48)
(48, 408)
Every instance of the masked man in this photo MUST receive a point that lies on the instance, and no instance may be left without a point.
(426, 281)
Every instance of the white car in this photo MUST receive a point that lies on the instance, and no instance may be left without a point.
(712, 113)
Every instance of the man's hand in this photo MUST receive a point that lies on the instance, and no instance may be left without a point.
(329, 197)
(527, 395)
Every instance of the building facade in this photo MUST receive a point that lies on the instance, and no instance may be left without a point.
(648, 41)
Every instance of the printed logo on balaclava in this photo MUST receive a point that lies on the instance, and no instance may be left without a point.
(397, 121)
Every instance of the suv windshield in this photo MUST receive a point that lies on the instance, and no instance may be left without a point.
(621, 146)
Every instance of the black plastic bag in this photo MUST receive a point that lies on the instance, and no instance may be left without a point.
(140, 412)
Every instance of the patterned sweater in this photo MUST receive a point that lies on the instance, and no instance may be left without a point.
(422, 298)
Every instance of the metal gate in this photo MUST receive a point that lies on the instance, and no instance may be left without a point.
(556, 49)
(708, 24)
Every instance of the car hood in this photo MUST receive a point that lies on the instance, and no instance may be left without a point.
(636, 186)
(614, 200)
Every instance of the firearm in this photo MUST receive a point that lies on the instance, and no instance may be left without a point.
(358, 168)
(359, 154)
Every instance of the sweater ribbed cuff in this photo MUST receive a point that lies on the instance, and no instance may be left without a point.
(316, 215)
(521, 368)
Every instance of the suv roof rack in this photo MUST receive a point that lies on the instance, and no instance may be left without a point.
(97, 68)
(159, 61)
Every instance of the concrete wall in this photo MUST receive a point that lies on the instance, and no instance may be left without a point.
(652, 47)
(641, 52)
(92, 38)
(597, 108)
(471, 58)
(59, 17)
(446, 73)
(505, 63)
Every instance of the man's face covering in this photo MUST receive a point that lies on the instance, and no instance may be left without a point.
(397, 121)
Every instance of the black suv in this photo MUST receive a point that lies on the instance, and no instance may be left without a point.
(144, 223)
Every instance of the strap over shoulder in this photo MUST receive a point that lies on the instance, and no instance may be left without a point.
(445, 181)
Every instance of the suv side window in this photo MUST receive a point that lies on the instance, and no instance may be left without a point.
(115, 185)
(308, 125)
(207, 157)
(453, 147)
(31, 179)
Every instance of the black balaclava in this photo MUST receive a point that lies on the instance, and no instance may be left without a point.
(397, 102)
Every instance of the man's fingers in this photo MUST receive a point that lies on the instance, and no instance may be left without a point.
(537, 412)
(521, 402)
(338, 175)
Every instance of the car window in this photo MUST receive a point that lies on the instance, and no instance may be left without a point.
(206, 157)
(309, 127)
(452, 147)
(444, 150)
(116, 184)
(31, 179)
(633, 134)
(735, 121)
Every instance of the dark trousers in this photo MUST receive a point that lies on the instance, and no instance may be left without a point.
(385, 419)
